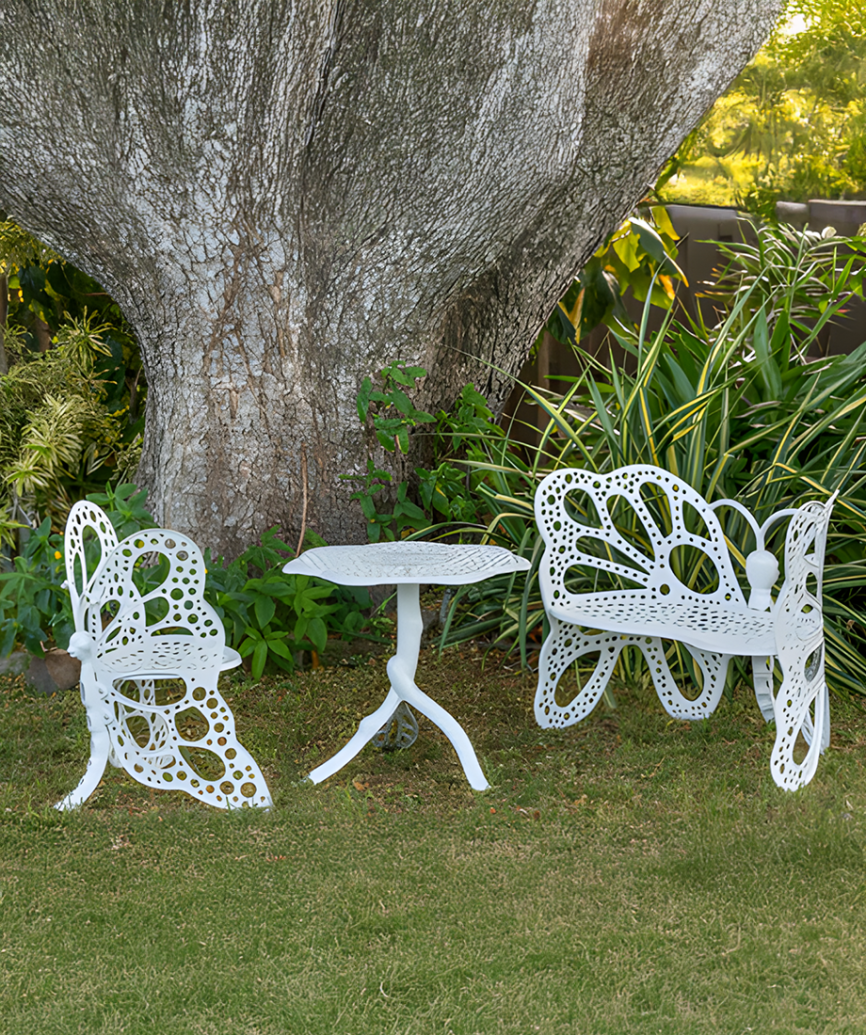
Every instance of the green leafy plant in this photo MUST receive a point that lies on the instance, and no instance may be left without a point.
(125, 507)
(34, 606)
(389, 415)
(390, 410)
(448, 491)
(640, 257)
(71, 384)
(742, 410)
(270, 617)
(442, 497)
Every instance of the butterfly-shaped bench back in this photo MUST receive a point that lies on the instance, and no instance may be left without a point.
(629, 525)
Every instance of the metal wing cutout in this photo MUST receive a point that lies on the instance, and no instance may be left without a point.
(152, 649)
(85, 553)
(660, 554)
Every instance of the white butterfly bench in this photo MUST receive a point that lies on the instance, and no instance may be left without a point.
(642, 528)
(150, 663)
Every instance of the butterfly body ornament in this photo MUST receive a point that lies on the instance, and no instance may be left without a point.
(151, 651)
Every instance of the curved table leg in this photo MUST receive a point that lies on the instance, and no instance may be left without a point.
(400, 731)
(401, 672)
(367, 729)
(409, 691)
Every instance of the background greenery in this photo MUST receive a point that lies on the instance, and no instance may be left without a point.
(747, 409)
(72, 388)
(793, 124)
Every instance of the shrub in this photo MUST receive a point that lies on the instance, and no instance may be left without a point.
(72, 398)
(740, 410)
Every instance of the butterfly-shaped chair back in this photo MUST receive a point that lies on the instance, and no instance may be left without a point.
(149, 596)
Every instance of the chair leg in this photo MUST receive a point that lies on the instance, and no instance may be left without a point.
(797, 697)
(100, 745)
(714, 668)
(563, 647)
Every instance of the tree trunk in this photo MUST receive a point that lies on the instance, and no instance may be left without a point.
(286, 196)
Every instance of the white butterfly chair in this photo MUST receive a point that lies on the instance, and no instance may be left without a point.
(150, 662)
(640, 526)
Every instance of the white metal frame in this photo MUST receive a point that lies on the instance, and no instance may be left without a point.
(408, 565)
(713, 625)
(129, 642)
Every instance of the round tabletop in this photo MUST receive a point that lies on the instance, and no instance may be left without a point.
(406, 562)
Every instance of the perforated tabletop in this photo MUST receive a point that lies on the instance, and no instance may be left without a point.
(406, 562)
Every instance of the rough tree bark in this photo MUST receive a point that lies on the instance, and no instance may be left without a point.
(285, 195)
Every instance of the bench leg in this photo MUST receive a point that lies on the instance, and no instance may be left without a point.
(802, 705)
(100, 745)
(566, 644)
(714, 669)
(762, 675)
(562, 648)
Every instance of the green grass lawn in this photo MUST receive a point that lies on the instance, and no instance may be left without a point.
(632, 874)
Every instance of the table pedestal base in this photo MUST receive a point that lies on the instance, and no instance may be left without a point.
(401, 672)
(400, 731)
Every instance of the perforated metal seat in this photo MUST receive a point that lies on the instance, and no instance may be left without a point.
(150, 663)
(699, 624)
(158, 656)
(642, 528)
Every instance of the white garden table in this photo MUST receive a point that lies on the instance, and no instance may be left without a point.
(408, 565)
